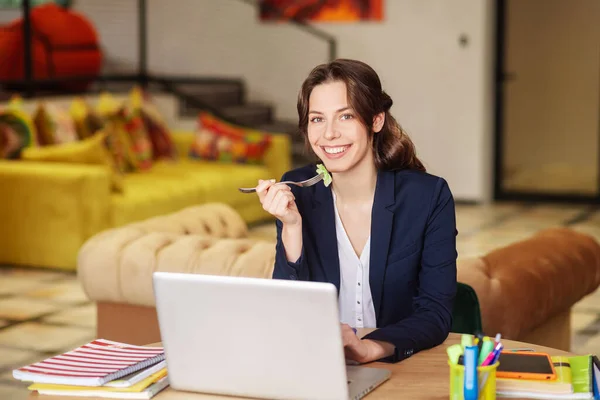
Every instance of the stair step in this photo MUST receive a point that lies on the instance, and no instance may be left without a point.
(214, 94)
(113, 87)
(249, 114)
(281, 126)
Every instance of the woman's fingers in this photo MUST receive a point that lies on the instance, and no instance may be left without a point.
(262, 188)
(275, 201)
(271, 193)
(348, 335)
(281, 208)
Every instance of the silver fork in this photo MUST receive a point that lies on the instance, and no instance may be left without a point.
(306, 183)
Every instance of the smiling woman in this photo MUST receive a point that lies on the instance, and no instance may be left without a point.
(384, 232)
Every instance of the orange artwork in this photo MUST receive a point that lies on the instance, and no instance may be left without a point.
(321, 10)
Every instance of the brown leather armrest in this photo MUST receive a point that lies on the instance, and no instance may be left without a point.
(522, 285)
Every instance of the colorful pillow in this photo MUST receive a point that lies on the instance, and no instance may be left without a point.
(10, 142)
(17, 132)
(218, 140)
(87, 121)
(158, 132)
(140, 146)
(118, 145)
(54, 125)
(91, 150)
(128, 140)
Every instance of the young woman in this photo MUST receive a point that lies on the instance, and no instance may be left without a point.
(384, 232)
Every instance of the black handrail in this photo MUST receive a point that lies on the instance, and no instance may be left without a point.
(27, 53)
(143, 42)
(329, 38)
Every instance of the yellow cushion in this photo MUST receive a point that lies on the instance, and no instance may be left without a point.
(171, 186)
(88, 151)
(150, 194)
(223, 180)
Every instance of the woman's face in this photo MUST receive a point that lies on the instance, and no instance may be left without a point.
(335, 131)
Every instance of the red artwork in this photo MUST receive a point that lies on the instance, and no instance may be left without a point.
(321, 10)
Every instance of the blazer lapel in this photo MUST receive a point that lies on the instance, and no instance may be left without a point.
(381, 230)
(323, 217)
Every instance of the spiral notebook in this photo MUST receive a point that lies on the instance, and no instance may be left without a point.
(92, 364)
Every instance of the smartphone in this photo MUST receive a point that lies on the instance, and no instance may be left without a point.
(525, 365)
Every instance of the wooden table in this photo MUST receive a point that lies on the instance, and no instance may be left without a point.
(425, 376)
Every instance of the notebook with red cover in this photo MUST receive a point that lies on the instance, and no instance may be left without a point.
(92, 364)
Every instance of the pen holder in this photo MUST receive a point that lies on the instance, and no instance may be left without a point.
(486, 380)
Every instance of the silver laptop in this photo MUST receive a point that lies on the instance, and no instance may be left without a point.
(258, 338)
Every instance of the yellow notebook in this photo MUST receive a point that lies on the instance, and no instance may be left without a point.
(138, 387)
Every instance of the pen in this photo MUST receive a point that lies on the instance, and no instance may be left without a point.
(498, 337)
(497, 356)
(480, 337)
(454, 353)
(491, 358)
(470, 386)
(466, 340)
(486, 349)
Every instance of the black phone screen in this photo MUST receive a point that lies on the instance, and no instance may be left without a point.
(526, 363)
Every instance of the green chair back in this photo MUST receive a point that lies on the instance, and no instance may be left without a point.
(466, 315)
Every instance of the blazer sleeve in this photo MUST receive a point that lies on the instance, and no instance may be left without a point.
(431, 320)
(284, 269)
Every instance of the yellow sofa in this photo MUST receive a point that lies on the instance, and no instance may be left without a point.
(48, 210)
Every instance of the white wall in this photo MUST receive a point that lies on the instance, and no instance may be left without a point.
(8, 15)
(116, 22)
(442, 92)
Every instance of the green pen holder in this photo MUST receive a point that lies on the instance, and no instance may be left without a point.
(486, 380)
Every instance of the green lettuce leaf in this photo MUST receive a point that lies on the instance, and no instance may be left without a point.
(326, 176)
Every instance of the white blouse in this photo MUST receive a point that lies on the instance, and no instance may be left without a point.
(355, 302)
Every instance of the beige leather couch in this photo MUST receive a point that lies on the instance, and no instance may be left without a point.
(526, 290)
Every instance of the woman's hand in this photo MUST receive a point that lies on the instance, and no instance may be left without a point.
(363, 350)
(279, 201)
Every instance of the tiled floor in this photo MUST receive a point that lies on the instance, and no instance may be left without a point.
(44, 312)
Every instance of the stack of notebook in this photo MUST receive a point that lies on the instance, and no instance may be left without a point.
(101, 368)
(577, 377)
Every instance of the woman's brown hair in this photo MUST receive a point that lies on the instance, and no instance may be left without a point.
(392, 148)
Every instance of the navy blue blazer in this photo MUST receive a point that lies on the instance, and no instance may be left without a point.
(412, 271)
